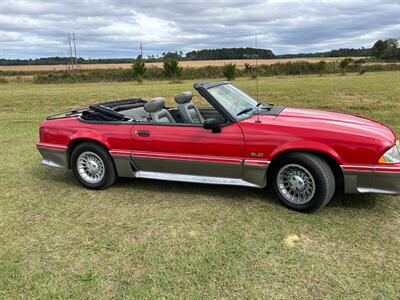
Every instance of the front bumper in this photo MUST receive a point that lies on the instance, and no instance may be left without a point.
(372, 179)
(53, 155)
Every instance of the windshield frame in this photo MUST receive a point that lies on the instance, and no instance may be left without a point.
(253, 103)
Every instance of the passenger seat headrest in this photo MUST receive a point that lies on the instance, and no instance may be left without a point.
(154, 104)
(183, 98)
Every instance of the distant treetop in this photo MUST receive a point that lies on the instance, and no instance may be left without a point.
(229, 53)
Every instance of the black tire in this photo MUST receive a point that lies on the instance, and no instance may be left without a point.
(110, 174)
(324, 180)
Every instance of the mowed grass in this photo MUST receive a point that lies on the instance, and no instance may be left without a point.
(154, 239)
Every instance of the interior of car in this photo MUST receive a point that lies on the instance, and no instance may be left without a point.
(185, 112)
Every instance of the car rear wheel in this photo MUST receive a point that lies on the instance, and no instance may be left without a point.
(93, 166)
(302, 181)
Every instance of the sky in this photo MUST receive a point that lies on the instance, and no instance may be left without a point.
(115, 28)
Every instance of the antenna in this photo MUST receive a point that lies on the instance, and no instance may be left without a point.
(256, 66)
(256, 73)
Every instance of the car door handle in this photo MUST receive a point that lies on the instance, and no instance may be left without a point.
(142, 132)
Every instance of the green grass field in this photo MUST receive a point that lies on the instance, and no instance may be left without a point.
(151, 239)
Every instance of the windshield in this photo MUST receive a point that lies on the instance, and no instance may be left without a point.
(236, 102)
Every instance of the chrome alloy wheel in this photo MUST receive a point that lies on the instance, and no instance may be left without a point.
(90, 167)
(296, 184)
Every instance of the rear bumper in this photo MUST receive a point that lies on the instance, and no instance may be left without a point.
(53, 155)
(372, 179)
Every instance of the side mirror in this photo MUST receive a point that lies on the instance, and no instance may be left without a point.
(212, 124)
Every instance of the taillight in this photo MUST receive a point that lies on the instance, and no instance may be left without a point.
(41, 134)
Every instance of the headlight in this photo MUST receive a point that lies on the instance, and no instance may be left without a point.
(392, 155)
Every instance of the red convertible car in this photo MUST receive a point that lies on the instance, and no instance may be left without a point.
(304, 155)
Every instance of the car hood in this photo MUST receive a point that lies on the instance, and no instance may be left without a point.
(339, 122)
(342, 125)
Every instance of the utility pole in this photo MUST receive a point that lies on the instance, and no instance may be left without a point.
(76, 59)
(141, 51)
(71, 60)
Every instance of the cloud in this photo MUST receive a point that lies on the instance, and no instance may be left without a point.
(114, 28)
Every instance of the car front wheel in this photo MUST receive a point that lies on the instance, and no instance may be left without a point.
(302, 181)
(93, 166)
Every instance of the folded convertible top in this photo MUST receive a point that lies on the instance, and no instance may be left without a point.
(124, 104)
(105, 111)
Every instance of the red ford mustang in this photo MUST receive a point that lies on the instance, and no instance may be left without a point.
(304, 155)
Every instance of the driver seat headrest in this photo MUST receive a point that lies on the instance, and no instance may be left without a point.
(154, 105)
(184, 97)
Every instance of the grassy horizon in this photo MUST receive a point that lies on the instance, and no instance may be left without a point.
(155, 239)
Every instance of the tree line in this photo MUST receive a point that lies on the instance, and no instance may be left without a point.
(388, 49)
(229, 53)
(58, 60)
(342, 52)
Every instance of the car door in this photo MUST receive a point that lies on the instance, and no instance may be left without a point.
(188, 149)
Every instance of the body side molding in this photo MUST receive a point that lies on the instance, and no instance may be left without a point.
(194, 178)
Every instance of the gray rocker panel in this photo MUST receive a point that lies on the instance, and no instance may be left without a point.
(197, 171)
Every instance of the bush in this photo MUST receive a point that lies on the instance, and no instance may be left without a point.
(172, 69)
(209, 72)
(3, 80)
(138, 69)
(320, 67)
(344, 63)
(229, 71)
(202, 72)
